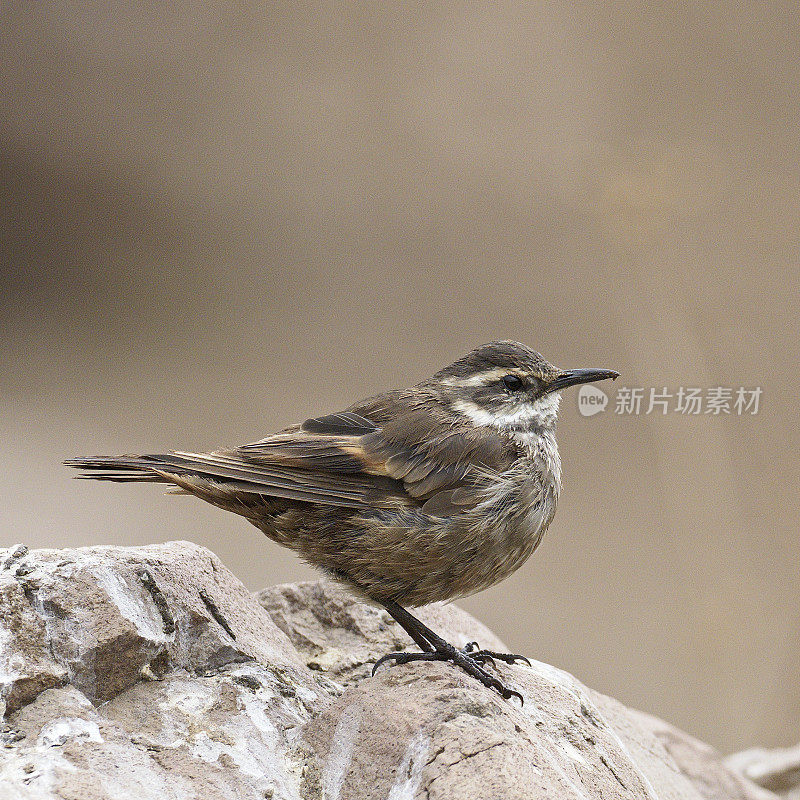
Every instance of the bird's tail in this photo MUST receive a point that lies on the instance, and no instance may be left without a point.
(122, 469)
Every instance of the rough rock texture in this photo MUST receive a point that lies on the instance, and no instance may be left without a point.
(151, 672)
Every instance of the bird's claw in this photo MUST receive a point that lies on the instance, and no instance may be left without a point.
(398, 658)
(462, 658)
(507, 694)
(474, 651)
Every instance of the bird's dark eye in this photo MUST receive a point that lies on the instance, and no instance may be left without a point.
(513, 383)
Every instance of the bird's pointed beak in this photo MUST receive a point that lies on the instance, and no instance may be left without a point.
(572, 377)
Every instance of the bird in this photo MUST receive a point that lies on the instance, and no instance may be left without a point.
(413, 496)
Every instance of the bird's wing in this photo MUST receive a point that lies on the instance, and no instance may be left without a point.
(238, 473)
(398, 447)
(385, 448)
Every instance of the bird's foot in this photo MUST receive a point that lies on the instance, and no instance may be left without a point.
(470, 661)
(474, 651)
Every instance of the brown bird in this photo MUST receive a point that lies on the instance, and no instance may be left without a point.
(410, 497)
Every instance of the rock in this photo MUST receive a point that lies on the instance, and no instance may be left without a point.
(777, 770)
(152, 672)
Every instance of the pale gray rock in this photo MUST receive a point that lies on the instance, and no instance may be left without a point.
(777, 770)
(152, 673)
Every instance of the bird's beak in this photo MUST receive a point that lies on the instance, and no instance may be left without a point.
(572, 377)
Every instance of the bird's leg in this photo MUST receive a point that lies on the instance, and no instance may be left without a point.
(437, 649)
(416, 629)
(415, 634)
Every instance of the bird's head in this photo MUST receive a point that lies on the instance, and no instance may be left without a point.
(507, 385)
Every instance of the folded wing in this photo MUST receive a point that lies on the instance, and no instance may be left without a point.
(385, 451)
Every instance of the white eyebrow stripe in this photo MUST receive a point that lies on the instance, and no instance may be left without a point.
(482, 378)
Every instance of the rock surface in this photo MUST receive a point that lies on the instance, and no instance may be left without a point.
(152, 672)
(777, 770)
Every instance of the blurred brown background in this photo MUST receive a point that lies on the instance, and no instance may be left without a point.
(222, 218)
